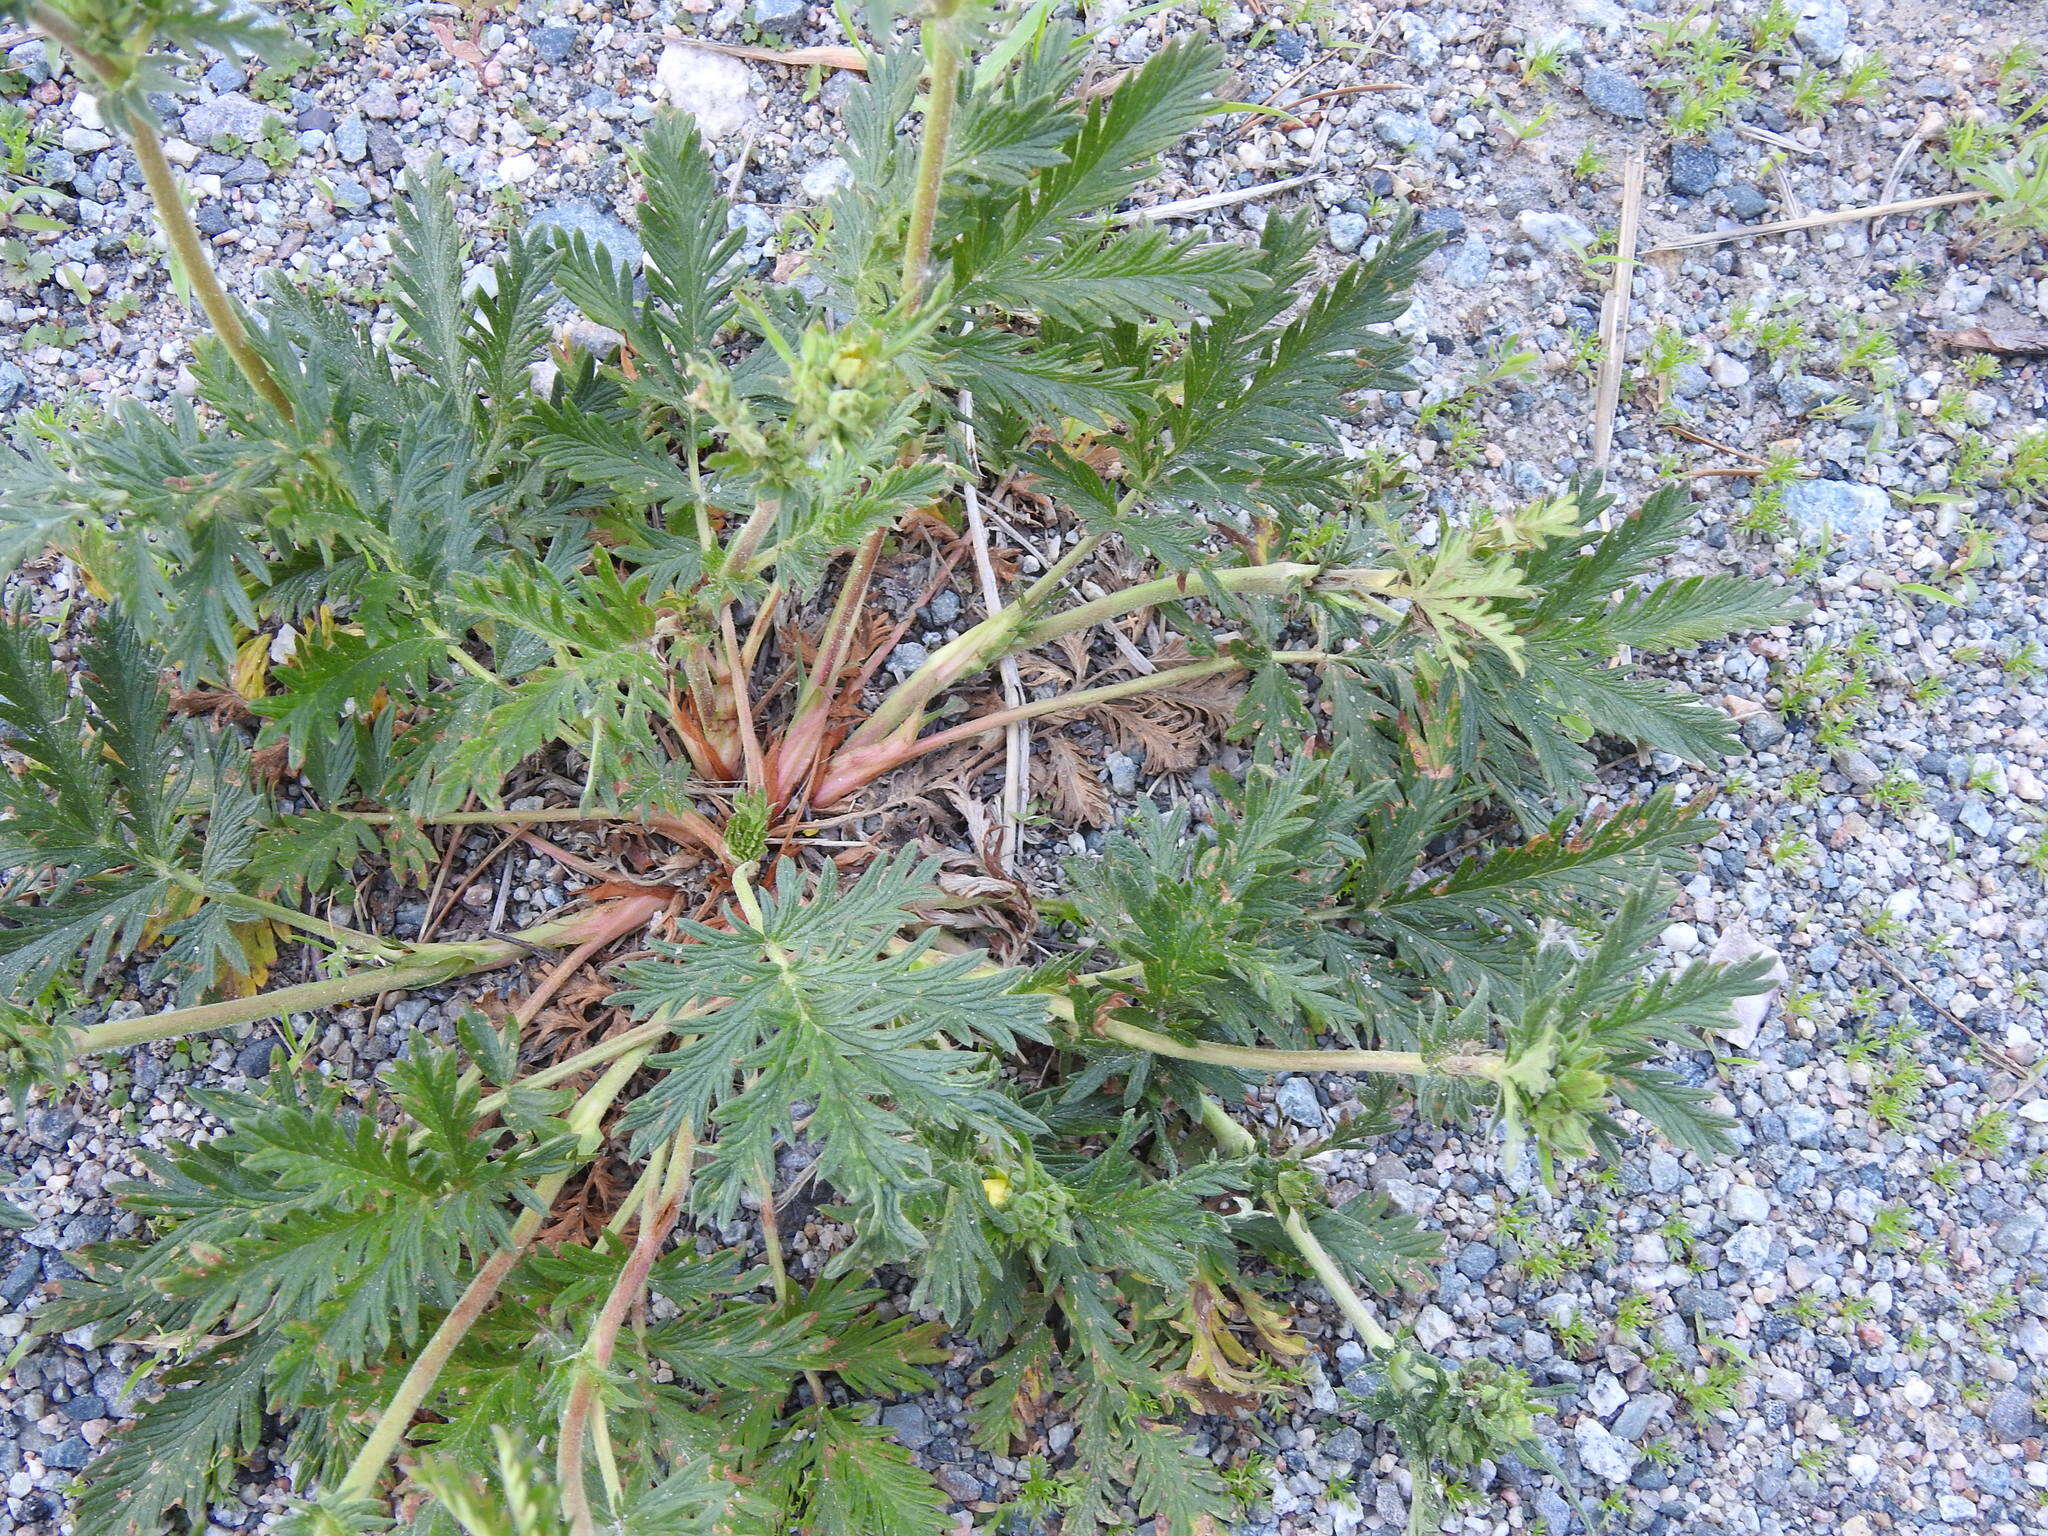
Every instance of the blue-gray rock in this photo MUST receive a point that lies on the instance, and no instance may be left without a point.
(86, 1405)
(223, 75)
(2019, 1236)
(1851, 512)
(1762, 729)
(1406, 130)
(784, 17)
(50, 1127)
(30, 60)
(1745, 202)
(1635, 1416)
(68, 1455)
(228, 115)
(907, 658)
(2011, 1415)
(1469, 265)
(1476, 1261)
(1694, 168)
(595, 223)
(1122, 769)
(315, 120)
(944, 608)
(1612, 92)
(1290, 46)
(910, 1424)
(13, 386)
(253, 1059)
(247, 172)
(386, 153)
(21, 1279)
(1822, 31)
(1750, 1248)
(349, 193)
(1806, 1125)
(1345, 1445)
(1441, 221)
(556, 44)
(351, 139)
(1347, 231)
(1296, 1099)
(1667, 1174)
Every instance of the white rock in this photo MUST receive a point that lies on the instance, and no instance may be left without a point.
(1434, 1328)
(1750, 1248)
(1747, 1014)
(1606, 1395)
(1600, 1452)
(1747, 1203)
(1862, 1469)
(1680, 938)
(714, 89)
(1916, 1391)
(181, 153)
(514, 169)
(825, 178)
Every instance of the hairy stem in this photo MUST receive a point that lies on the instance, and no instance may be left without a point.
(1325, 1269)
(360, 1481)
(179, 230)
(423, 966)
(344, 938)
(1479, 1064)
(942, 55)
(585, 1405)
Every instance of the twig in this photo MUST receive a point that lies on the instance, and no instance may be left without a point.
(1996, 1052)
(1352, 90)
(1930, 124)
(1707, 442)
(1816, 220)
(1208, 200)
(1614, 317)
(1017, 738)
(1775, 140)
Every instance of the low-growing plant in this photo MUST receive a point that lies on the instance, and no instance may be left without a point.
(373, 582)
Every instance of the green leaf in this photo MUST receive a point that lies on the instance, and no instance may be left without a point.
(865, 1483)
(426, 274)
(1141, 275)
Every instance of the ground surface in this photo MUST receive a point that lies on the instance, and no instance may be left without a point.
(1844, 1327)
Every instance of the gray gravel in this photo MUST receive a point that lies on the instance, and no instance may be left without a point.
(1870, 1290)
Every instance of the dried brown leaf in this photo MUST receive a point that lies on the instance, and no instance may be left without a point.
(1067, 780)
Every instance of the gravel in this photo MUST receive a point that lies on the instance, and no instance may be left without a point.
(1878, 1261)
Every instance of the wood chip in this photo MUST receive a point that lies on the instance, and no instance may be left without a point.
(2030, 341)
(1614, 317)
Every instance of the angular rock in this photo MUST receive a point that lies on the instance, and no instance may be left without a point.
(1612, 92)
(1601, 1452)
(228, 115)
(556, 44)
(785, 18)
(1694, 169)
(595, 223)
(1841, 507)
(715, 90)
(1822, 30)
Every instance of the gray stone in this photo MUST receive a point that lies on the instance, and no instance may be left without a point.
(556, 44)
(1296, 1099)
(1601, 1452)
(1800, 393)
(1745, 202)
(1347, 231)
(21, 1279)
(379, 103)
(910, 1424)
(1557, 233)
(1747, 1203)
(1612, 92)
(1694, 169)
(386, 153)
(784, 17)
(1750, 1248)
(595, 223)
(907, 658)
(1406, 130)
(13, 385)
(1806, 1125)
(943, 608)
(349, 193)
(1441, 221)
(1667, 1174)
(1762, 729)
(961, 1486)
(1636, 1414)
(1470, 264)
(716, 91)
(253, 1059)
(1849, 511)
(30, 60)
(228, 115)
(68, 1455)
(225, 75)
(2011, 1416)
(1822, 31)
(1860, 769)
(1344, 1446)
(351, 141)
(2019, 1236)
(1477, 1260)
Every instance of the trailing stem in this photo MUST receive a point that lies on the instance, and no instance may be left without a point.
(360, 1481)
(423, 966)
(1486, 1065)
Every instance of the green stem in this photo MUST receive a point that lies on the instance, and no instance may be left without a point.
(942, 54)
(360, 1481)
(179, 231)
(1325, 1269)
(423, 966)
(345, 938)
(1481, 1064)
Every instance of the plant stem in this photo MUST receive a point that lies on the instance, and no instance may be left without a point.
(585, 1405)
(1481, 1064)
(179, 230)
(942, 54)
(360, 1481)
(423, 966)
(1349, 1302)
(305, 922)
